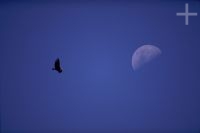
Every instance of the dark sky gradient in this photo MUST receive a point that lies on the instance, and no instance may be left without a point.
(98, 89)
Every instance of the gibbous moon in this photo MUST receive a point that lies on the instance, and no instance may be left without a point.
(144, 54)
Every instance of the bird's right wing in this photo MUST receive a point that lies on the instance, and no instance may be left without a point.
(57, 63)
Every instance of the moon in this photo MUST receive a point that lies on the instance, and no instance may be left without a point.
(144, 54)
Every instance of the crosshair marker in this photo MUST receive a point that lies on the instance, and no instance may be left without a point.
(186, 14)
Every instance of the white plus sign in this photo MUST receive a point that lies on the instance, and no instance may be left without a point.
(186, 14)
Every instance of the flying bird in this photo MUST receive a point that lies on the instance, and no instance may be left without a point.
(57, 66)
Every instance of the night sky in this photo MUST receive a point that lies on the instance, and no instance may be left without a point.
(98, 90)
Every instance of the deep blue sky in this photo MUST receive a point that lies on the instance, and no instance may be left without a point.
(98, 89)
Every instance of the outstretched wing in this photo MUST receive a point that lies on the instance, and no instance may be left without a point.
(57, 64)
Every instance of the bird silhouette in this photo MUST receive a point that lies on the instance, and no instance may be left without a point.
(57, 66)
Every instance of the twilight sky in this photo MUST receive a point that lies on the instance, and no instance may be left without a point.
(98, 89)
